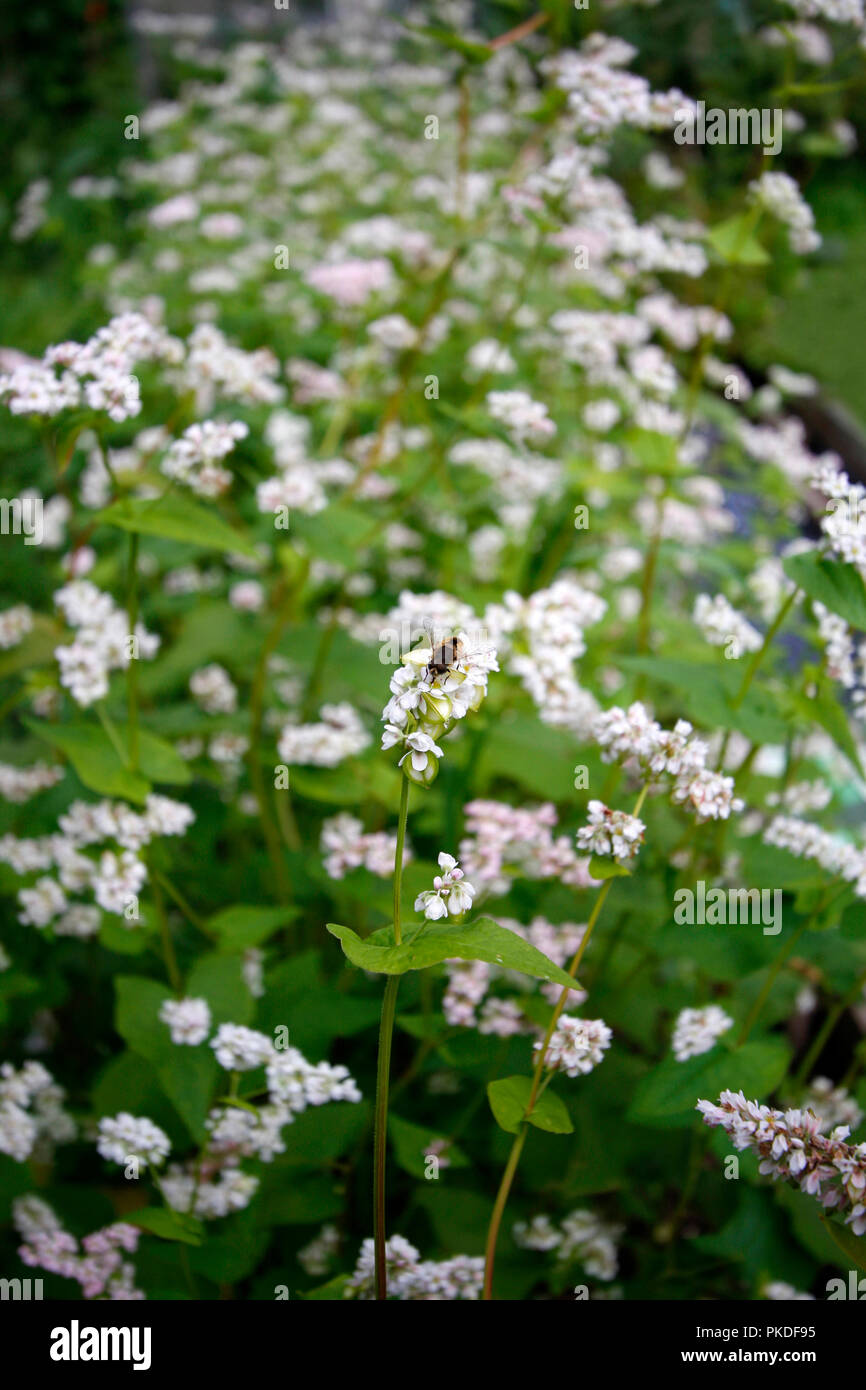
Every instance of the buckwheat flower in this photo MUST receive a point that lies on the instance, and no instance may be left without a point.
(80, 920)
(591, 1241)
(422, 753)
(450, 894)
(194, 458)
(247, 597)
(577, 1045)
(780, 195)
(118, 879)
(252, 971)
(241, 1049)
(832, 1104)
(317, 1256)
(188, 1019)
(792, 1147)
(610, 832)
(520, 414)
(780, 1292)
(15, 623)
(213, 689)
(697, 1030)
(338, 735)
(18, 784)
(351, 282)
(502, 1018)
(124, 1137)
(723, 626)
(710, 794)
(41, 903)
(537, 1234)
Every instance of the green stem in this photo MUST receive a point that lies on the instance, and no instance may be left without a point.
(109, 728)
(184, 906)
(165, 934)
(520, 1139)
(811, 1057)
(759, 655)
(132, 668)
(772, 974)
(380, 1130)
(398, 855)
(383, 1069)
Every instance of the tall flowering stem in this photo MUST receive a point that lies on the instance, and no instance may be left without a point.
(383, 1068)
(520, 1139)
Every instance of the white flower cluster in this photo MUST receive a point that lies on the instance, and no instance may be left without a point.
(611, 832)
(96, 375)
(188, 1019)
(780, 195)
(581, 1238)
(317, 1256)
(32, 1118)
(18, 784)
(411, 1279)
(697, 1030)
(425, 703)
(214, 367)
(99, 1267)
(338, 734)
(194, 459)
(832, 1104)
(723, 626)
(15, 623)
(790, 1145)
(351, 282)
(451, 894)
(503, 842)
(523, 417)
(601, 96)
(103, 642)
(114, 878)
(542, 637)
(213, 689)
(633, 738)
(778, 1291)
(577, 1045)
(808, 841)
(126, 1137)
(347, 845)
(217, 1185)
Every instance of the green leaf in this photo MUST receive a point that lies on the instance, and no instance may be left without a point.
(169, 1225)
(37, 648)
(94, 757)
(427, 944)
(736, 243)
(852, 1246)
(412, 1144)
(217, 978)
(176, 518)
(239, 927)
(668, 1094)
(509, 1099)
(837, 585)
(332, 1292)
(472, 52)
(602, 866)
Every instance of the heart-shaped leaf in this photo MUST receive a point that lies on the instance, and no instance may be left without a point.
(426, 944)
(509, 1099)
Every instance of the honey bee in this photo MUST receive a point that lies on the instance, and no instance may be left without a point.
(443, 655)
